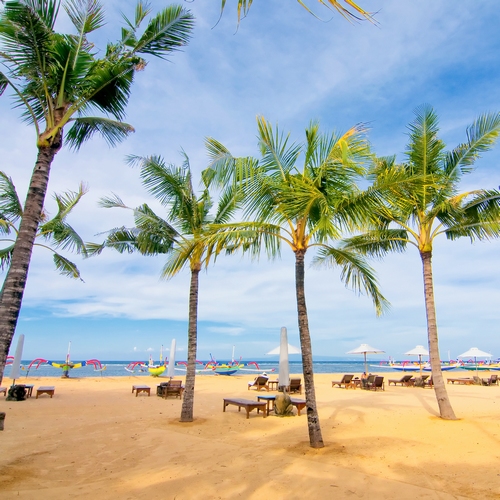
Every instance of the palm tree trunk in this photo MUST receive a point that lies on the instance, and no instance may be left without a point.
(445, 409)
(188, 401)
(13, 287)
(315, 438)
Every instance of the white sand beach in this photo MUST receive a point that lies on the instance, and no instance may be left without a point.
(95, 439)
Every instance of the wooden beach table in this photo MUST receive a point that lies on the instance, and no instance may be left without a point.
(4, 390)
(45, 389)
(248, 404)
(141, 388)
(29, 390)
(300, 404)
(464, 381)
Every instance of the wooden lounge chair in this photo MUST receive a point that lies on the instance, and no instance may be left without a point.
(295, 385)
(173, 388)
(248, 404)
(367, 382)
(463, 381)
(428, 383)
(259, 383)
(493, 380)
(403, 381)
(346, 379)
(378, 383)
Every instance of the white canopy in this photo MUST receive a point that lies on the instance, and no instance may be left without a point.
(365, 348)
(474, 352)
(420, 350)
(291, 350)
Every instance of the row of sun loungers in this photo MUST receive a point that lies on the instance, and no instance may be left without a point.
(262, 383)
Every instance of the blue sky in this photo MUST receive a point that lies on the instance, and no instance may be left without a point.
(286, 65)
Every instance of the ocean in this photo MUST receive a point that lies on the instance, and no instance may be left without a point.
(117, 369)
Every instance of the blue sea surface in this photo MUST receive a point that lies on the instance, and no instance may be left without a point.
(117, 369)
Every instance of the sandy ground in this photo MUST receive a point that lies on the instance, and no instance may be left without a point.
(95, 439)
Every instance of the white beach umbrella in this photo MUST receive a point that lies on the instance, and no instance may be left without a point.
(475, 353)
(16, 364)
(291, 350)
(171, 362)
(365, 349)
(419, 351)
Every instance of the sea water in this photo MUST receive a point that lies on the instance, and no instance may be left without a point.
(117, 369)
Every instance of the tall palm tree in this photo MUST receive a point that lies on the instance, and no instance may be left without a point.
(351, 12)
(55, 233)
(304, 206)
(183, 236)
(57, 80)
(425, 202)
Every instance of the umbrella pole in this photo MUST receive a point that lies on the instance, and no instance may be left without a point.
(366, 366)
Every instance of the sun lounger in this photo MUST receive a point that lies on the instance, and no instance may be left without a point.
(173, 388)
(378, 383)
(493, 380)
(403, 381)
(141, 388)
(259, 383)
(295, 385)
(45, 389)
(346, 381)
(463, 381)
(248, 404)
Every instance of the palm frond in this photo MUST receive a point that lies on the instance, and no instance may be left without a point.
(354, 272)
(66, 267)
(86, 15)
(83, 129)
(11, 208)
(120, 239)
(167, 32)
(6, 256)
(481, 136)
(378, 243)
(113, 201)
(4, 82)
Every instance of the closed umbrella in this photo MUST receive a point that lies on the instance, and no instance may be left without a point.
(419, 351)
(475, 353)
(16, 364)
(365, 349)
(284, 349)
(171, 363)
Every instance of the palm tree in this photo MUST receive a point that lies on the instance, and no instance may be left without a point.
(351, 12)
(425, 202)
(183, 236)
(57, 80)
(55, 232)
(305, 207)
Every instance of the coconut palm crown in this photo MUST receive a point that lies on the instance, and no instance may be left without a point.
(57, 81)
(304, 207)
(425, 202)
(183, 236)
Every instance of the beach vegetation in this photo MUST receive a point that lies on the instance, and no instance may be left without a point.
(422, 200)
(57, 81)
(53, 233)
(348, 9)
(183, 236)
(301, 195)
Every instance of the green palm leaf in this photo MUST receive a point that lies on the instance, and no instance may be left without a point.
(10, 205)
(83, 129)
(66, 267)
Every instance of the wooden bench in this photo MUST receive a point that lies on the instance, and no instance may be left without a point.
(248, 404)
(300, 404)
(141, 388)
(465, 381)
(45, 389)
